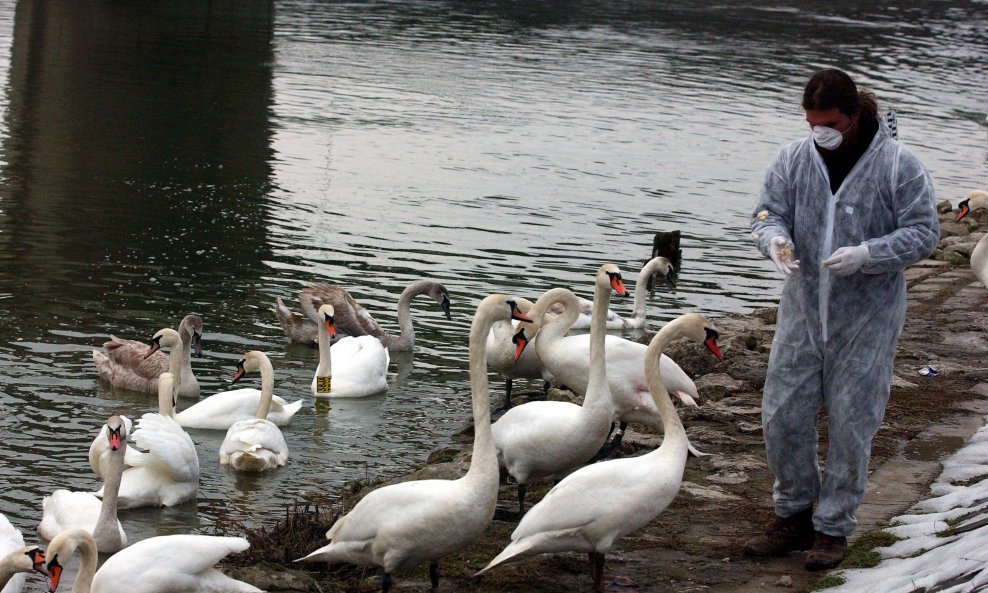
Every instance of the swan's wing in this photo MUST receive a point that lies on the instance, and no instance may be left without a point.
(64, 509)
(172, 558)
(581, 498)
(252, 435)
(170, 449)
(129, 354)
(237, 403)
(351, 318)
(10, 540)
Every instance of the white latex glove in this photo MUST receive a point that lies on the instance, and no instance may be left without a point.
(847, 260)
(781, 253)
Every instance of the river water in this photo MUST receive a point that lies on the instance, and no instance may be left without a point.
(170, 157)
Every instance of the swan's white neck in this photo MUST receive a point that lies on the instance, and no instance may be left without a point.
(556, 328)
(325, 368)
(483, 463)
(406, 338)
(641, 291)
(267, 383)
(675, 435)
(112, 467)
(598, 395)
(175, 365)
(166, 395)
(70, 542)
(8, 567)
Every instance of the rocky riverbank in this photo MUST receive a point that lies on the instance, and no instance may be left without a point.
(695, 545)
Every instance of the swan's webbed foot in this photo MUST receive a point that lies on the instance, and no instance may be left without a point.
(625, 584)
(386, 583)
(507, 516)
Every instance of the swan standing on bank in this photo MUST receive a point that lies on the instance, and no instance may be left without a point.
(125, 364)
(405, 524)
(979, 257)
(598, 504)
(166, 474)
(566, 358)
(353, 319)
(541, 439)
(361, 362)
(501, 353)
(256, 444)
(168, 563)
(656, 265)
(16, 558)
(65, 510)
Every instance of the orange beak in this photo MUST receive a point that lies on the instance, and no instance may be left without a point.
(155, 346)
(711, 344)
(963, 210)
(241, 371)
(520, 341)
(618, 286)
(54, 575)
(37, 556)
(114, 438)
(330, 328)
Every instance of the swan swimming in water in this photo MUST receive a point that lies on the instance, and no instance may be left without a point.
(255, 444)
(361, 362)
(405, 524)
(65, 510)
(125, 363)
(353, 319)
(598, 504)
(167, 563)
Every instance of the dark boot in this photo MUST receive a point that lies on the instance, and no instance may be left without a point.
(786, 534)
(828, 551)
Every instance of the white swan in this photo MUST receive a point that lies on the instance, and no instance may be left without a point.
(352, 319)
(256, 444)
(566, 358)
(173, 563)
(65, 510)
(402, 525)
(600, 503)
(16, 558)
(656, 265)
(224, 409)
(168, 473)
(101, 446)
(979, 257)
(541, 439)
(123, 362)
(361, 362)
(502, 348)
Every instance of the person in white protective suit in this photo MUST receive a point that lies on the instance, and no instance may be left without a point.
(842, 213)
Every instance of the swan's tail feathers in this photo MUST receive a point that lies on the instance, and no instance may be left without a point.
(514, 551)
(355, 552)
(687, 398)
(696, 452)
(292, 408)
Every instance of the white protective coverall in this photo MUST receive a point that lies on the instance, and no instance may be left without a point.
(835, 337)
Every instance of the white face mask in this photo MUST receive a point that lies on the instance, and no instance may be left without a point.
(827, 138)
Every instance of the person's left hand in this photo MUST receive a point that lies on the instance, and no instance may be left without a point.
(847, 260)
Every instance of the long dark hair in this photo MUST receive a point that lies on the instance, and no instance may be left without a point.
(834, 88)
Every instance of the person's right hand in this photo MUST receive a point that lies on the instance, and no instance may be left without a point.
(781, 253)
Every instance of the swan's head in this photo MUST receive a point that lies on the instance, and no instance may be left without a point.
(61, 548)
(520, 341)
(971, 202)
(327, 315)
(116, 432)
(251, 362)
(439, 293)
(610, 275)
(498, 307)
(700, 329)
(29, 558)
(192, 326)
(165, 338)
(662, 266)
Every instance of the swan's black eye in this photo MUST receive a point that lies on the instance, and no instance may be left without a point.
(711, 333)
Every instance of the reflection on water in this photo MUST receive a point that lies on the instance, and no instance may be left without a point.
(178, 158)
